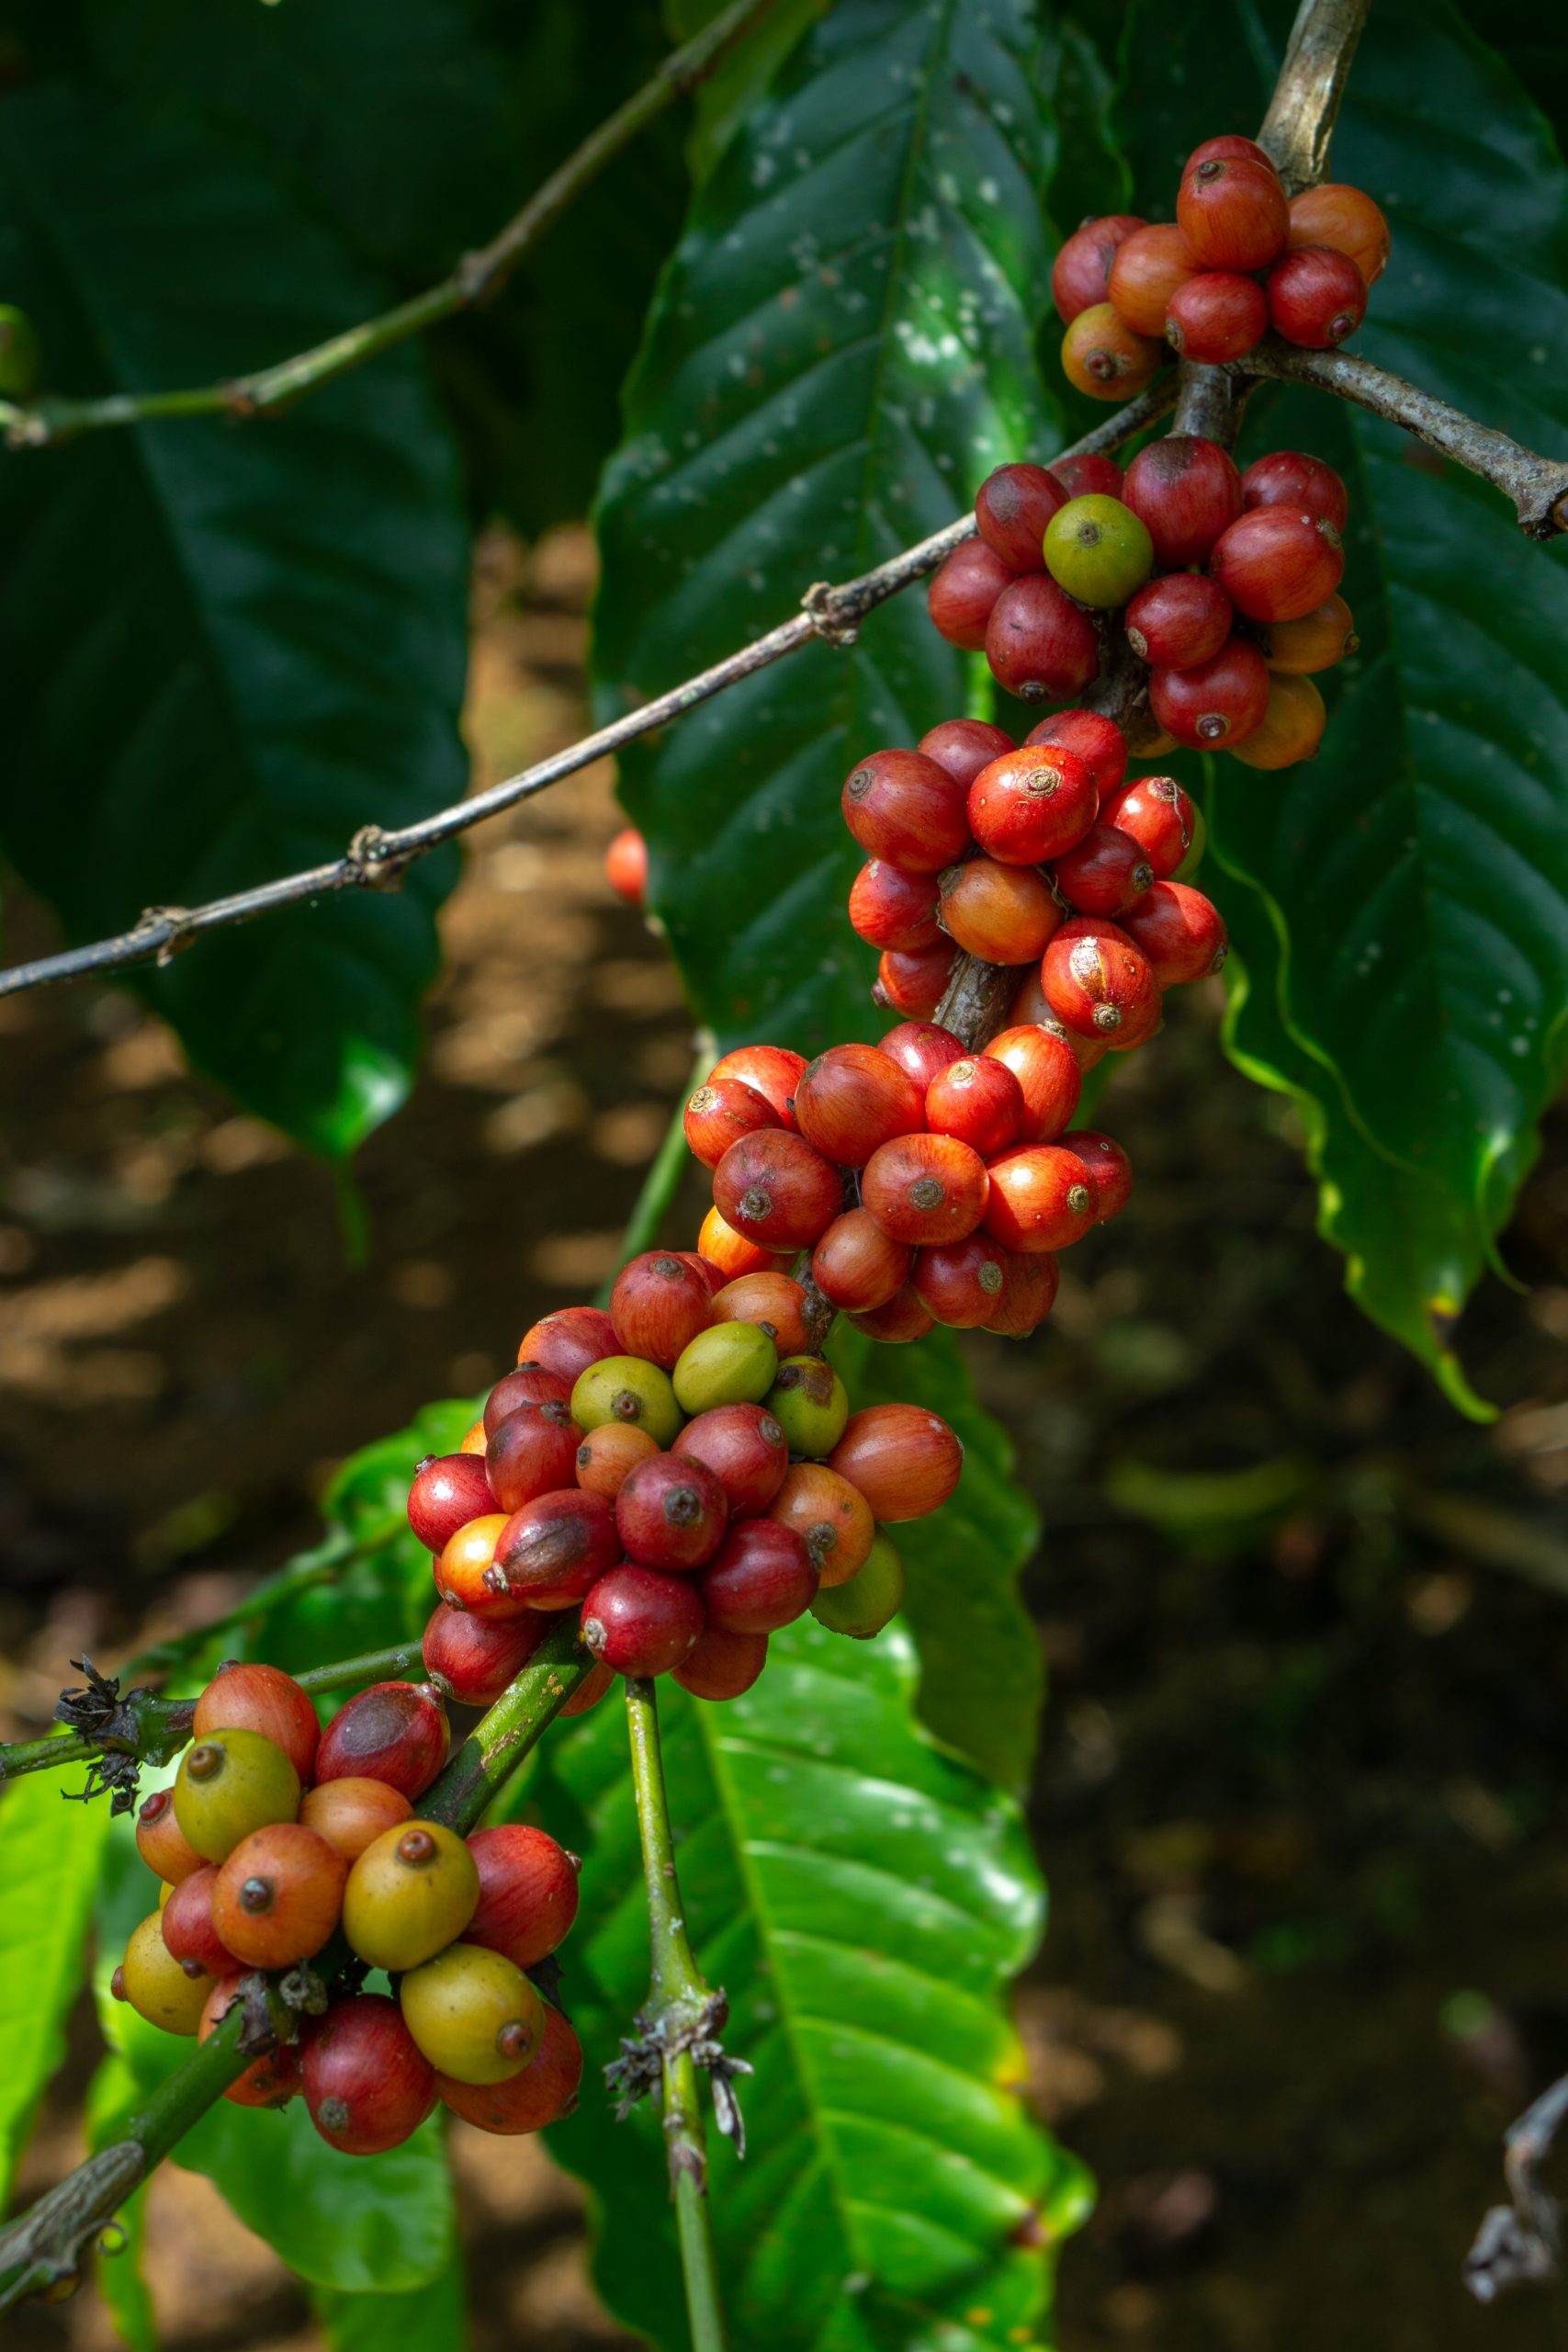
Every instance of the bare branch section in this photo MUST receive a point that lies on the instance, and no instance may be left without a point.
(1538, 486)
(35, 424)
(376, 858)
(1298, 129)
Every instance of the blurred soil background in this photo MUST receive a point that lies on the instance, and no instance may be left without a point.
(1300, 1793)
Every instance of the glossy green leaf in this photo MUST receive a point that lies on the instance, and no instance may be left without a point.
(1414, 877)
(981, 1673)
(113, 2096)
(841, 348)
(51, 1851)
(225, 649)
(422, 2319)
(728, 95)
(863, 1900)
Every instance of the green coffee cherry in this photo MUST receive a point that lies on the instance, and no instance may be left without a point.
(810, 1404)
(1199, 844)
(730, 1363)
(872, 1595)
(473, 2013)
(229, 1783)
(19, 354)
(1098, 550)
(627, 1389)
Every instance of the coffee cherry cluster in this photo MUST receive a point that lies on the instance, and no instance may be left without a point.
(281, 1845)
(684, 1470)
(1240, 258)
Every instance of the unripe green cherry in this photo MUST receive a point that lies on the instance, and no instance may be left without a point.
(1195, 848)
(627, 1389)
(730, 1363)
(19, 354)
(810, 1404)
(229, 1783)
(872, 1596)
(473, 2013)
(1098, 550)
(412, 1892)
(157, 1985)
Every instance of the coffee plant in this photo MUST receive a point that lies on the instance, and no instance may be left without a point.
(727, 1563)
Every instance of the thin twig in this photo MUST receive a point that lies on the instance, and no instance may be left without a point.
(38, 423)
(376, 858)
(1537, 486)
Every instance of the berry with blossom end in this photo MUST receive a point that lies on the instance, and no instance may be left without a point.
(1041, 1198)
(925, 1188)
(1216, 704)
(761, 1578)
(1097, 551)
(979, 1101)
(1100, 983)
(1276, 563)
(1160, 817)
(915, 983)
(1148, 270)
(1179, 931)
(1102, 355)
(773, 1071)
(1178, 620)
(746, 1450)
(777, 1190)
(1104, 874)
(1004, 914)
(719, 1114)
(1032, 804)
(1041, 646)
(1048, 1079)
(904, 808)
(903, 1459)
(887, 909)
(853, 1098)
(1316, 297)
(641, 1621)
(670, 1513)
(1216, 316)
(550, 1551)
(1186, 491)
(1091, 737)
(1234, 213)
(1110, 1166)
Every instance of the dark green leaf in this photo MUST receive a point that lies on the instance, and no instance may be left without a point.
(841, 348)
(981, 1680)
(227, 649)
(51, 1852)
(726, 99)
(864, 1899)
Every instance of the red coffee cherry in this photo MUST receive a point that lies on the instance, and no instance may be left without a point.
(1110, 1166)
(1099, 983)
(1029, 1293)
(914, 984)
(1184, 490)
(1277, 563)
(1041, 1198)
(1012, 508)
(1146, 273)
(981, 1102)
(904, 808)
(762, 1577)
(922, 1048)
(1004, 914)
(1344, 219)
(1098, 742)
(773, 1071)
(774, 1301)
(1289, 478)
(1048, 1077)
(718, 1115)
(190, 1933)
(278, 1897)
(1084, 475)
(776, 1189)
(527, 1893)
(715, 1276)
(963, 746)
(722, 1666)
(1032, 1009)
(904, 1316)
(466, 1574)
(1104, 874)
(1041, 646)
(853, 1098)
(532, 1452)
(744, 1448)
(1082, 268)
(471, 1661)
(857, 1266)
(1232, 212)
(366, 2083)
(270, 2080)
(923, 1189)
(1102, 357)
(963, 589)
(395, 1732)
(732, 1253)
(639, 1621)
(550, 1551)
(626, 865)
(529, 1385)
(261, 1698)
(567, 1341)
(1315, 643)
(545, 2092)
(889, 909)
(904, 1460)
(162, 1843)
(1179, 931)
(1316, 297)
(1230, 144)
(1216, 316)
(1217, 703)
(1032, 804)
(1178, 620)
(672, 1512)
(1292, 727)
(658, 1305)
(1160, 817)
(962, 1282)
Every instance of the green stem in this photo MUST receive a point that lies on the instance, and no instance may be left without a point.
(679, 2003)
(496, 1746)
(476, 276)
(663, 1180)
